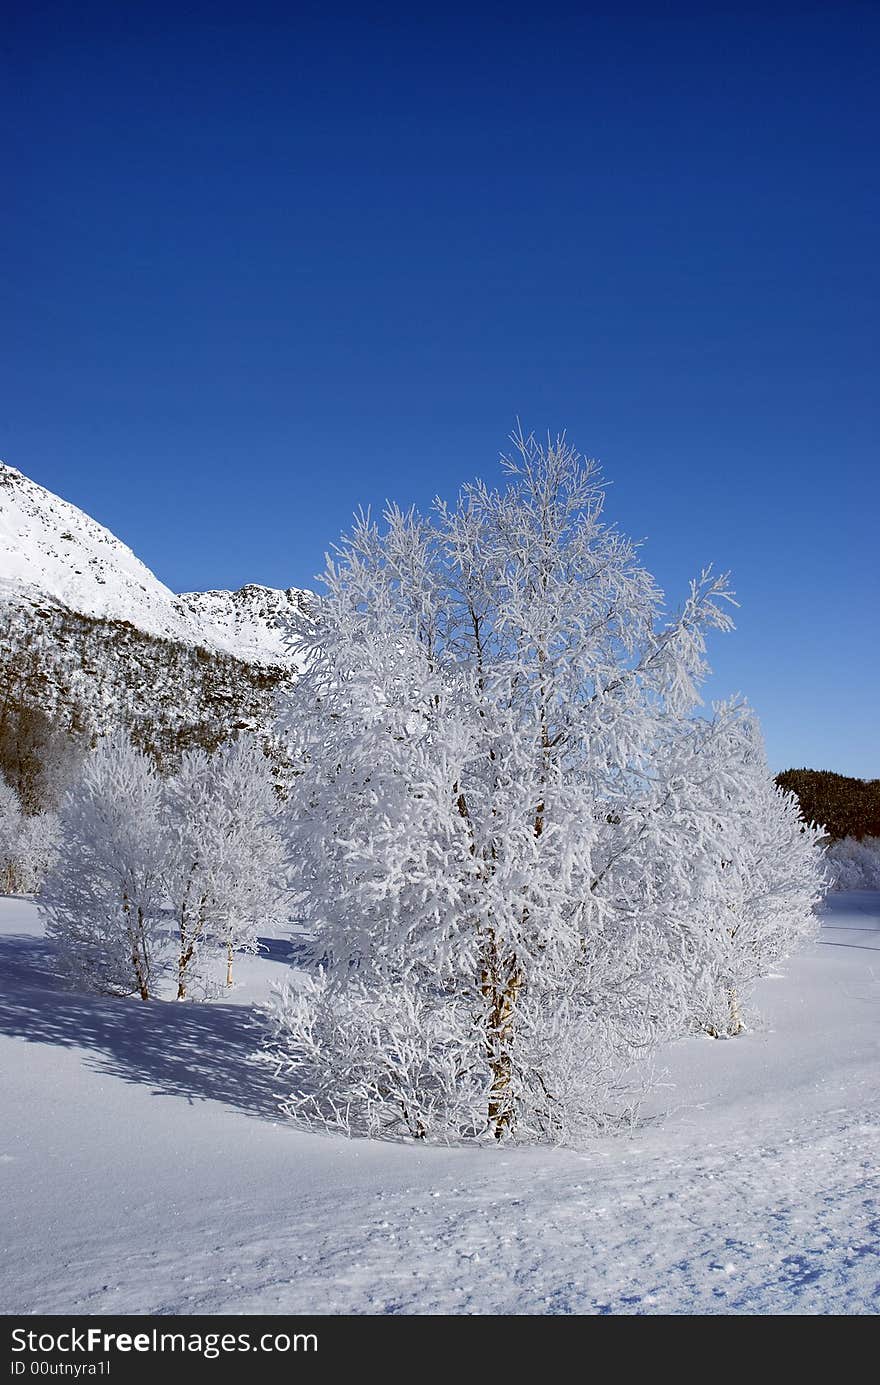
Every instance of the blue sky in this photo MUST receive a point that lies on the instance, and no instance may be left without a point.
(263, 264)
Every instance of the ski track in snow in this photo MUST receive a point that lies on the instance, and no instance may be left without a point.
(144, 1170)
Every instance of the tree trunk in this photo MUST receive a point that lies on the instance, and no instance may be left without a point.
(189, 923)
(143, 988)
(191, 927)
(500, 986)
(229, 965)
(136, 939)
(182, 964)
(734, 1024)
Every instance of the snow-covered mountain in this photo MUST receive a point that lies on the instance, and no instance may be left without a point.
(52, 552)
(91, 640)
(252, 623)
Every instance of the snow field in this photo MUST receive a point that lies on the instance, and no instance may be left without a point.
(145, 1170)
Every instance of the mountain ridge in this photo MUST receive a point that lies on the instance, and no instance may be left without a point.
(53, 552)
(92, 642)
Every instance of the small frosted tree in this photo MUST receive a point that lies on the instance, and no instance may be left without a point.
(28, 844)
(493, 814)
(225, 876)
(10, 837)
(38, 843)
(854, 864)
(103, 894)
(764, 874)
(38, 757)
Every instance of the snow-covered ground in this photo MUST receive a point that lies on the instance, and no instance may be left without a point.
(144, 1170)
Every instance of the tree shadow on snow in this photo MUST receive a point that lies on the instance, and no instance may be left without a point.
(204, 1052)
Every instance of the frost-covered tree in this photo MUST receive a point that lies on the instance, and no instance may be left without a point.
(103, 895)
(38, 844)
(494, 813)
(38, 757)
(854, 864)
(28, 844)
(10, 837)
(225, 876)
(755, 867)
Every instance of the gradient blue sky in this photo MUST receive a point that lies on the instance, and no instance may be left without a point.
(262, 264)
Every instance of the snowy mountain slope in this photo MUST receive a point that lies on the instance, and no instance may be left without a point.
(254, 623)
(144, 1168)
(53, 553)
(50, 549)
